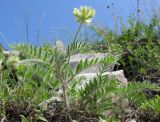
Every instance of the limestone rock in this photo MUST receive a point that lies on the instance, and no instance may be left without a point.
(52, 101)
(130, 120)
(92, 72)
(119, 75)
(75, 59)
(11, 53)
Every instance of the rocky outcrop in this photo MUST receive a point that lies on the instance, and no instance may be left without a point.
(11, 53)
(119, 75)
(75, 59)
(92, 72)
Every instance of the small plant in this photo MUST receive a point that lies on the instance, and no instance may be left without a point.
(97, 95)
(136, 92)
(58, 65)
(152, 105)
(142, 103)
(44, 73)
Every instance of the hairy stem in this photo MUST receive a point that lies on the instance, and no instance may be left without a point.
(77, 32)
(65, 97)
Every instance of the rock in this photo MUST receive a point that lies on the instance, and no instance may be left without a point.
(119, 75)
(11, 53)
(78, 57)
(48, 103)
(52, 105)
(75, 59)
(130, 120)
(92, 72)
(58, 99)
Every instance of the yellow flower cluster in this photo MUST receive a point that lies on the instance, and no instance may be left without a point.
(84, 14)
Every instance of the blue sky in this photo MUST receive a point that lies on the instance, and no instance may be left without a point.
(50, 18)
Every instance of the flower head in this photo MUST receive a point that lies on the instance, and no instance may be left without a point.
(84, 14)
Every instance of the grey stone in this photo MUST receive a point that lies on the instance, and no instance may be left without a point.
(92, 72)
(75, 59)
(119, 75)
(52, 101)
(11, 53)
(130, 120)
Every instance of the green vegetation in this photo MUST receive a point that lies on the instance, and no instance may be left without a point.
(39, 83)
(138, 46)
